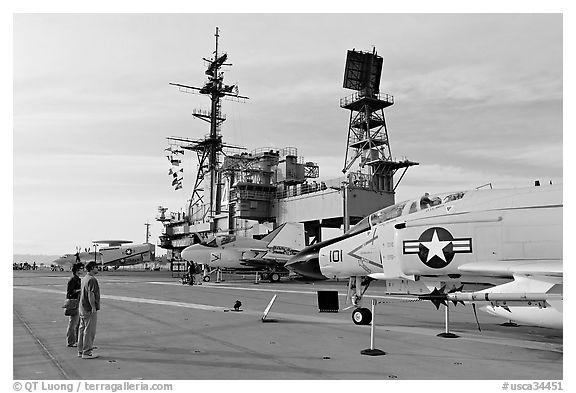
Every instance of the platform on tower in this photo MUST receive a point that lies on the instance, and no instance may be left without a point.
(358, 100)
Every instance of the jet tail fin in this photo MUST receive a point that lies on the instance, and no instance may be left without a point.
(289, 235)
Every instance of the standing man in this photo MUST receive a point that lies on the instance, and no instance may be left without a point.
(89, 306)
(191, 270)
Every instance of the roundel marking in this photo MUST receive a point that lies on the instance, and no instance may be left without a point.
(436, 247)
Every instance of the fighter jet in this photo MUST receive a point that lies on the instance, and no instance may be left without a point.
(500, 249)
(268, 255)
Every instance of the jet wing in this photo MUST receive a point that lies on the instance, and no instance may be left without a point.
(259, 263)
(536, 282)
(266, 257)
(112, 243)
(256, 250)
(518, 267)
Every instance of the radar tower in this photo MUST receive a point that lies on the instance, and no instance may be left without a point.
(367, 132)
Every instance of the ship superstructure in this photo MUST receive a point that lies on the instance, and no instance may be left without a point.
(248, 193)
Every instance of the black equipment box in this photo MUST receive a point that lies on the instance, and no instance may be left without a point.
(328, 301)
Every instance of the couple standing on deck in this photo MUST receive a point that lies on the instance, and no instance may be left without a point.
(82, 325)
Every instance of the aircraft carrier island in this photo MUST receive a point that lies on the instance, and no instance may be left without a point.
(248, 193)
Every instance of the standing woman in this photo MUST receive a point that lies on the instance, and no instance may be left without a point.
(73, 293)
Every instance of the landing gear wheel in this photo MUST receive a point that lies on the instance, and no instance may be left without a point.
(362, 316)
(274, 277)
(264, 276)
(206, 278)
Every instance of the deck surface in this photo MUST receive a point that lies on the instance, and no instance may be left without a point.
(151, 327)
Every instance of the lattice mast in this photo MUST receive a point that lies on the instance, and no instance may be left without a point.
(367, 132)
(209, 150)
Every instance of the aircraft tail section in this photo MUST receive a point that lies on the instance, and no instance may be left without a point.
(288, 235)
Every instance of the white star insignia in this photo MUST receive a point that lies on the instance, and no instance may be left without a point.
(435, 247)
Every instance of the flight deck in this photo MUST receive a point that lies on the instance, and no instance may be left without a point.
(151, 327)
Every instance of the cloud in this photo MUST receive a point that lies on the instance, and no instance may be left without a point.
(532, 156)
(478, 99)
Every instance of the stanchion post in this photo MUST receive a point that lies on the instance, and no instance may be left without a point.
(372, 324)
(447, 319)
(446, 333)
(372, 351)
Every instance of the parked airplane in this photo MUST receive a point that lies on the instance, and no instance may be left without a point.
(67, 260)
(114, 253)
(124, 253)
(269, 254)
(503, 247)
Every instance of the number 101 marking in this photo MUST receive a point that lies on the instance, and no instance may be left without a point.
(335, 255)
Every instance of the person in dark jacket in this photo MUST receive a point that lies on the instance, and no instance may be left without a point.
(73, 292)
(191, 271)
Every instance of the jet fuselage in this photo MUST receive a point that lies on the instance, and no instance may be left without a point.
(479, 236)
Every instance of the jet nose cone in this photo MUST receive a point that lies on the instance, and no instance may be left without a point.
(306, 264)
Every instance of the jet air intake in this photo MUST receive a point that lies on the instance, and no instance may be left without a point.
(306, 263)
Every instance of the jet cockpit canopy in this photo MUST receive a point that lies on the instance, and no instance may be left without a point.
(219, 240)
(404, 208)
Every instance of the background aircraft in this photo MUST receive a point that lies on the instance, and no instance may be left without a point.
(269, 254)
(67, 260)
(112, 253)
(124, 253)
(499, 248)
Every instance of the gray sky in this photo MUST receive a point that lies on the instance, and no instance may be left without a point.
(478, 99)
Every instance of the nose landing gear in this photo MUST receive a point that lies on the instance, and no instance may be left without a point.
(362, 316)
(356, 287)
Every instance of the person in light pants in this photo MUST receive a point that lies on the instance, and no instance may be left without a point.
(89, 306)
